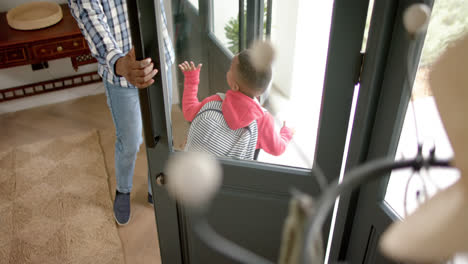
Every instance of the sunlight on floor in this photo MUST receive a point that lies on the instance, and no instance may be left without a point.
(298, 78)
(300, 152)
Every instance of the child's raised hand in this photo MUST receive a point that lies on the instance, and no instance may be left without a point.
(185, 66)
(293, 130)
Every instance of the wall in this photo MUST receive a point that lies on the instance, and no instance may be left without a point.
(283, 36)
(22, 75)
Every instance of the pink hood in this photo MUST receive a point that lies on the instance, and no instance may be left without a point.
(239, 110)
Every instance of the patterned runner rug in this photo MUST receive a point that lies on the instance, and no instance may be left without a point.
(55, 205)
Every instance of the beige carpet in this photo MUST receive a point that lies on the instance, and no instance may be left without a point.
(55, 205)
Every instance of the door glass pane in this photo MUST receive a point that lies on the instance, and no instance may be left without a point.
(295, 92)
(298, 75)
(225, 24)
(448, 22)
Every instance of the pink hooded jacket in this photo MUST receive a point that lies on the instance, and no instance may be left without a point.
(239, 111)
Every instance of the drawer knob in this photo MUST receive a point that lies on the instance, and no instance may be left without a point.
(75, 44)
(43, 50)
(59, 48)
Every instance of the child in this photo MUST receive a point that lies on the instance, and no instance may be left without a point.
(248, 126)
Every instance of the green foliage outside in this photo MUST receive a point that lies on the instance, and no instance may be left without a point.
(231, 30)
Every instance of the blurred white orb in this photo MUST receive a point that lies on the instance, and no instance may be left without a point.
(262, 55)
(416, 18)
(193, 178)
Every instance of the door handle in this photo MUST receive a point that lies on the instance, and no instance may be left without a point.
(161, 179)
(135, 30)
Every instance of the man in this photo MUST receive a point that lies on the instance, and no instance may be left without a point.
(104, 24)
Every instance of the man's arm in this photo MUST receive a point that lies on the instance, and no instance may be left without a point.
(93, 23)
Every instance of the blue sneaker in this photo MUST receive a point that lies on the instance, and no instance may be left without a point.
(150, 198)
(122, 208)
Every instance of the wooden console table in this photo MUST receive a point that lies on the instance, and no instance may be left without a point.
(61, 40)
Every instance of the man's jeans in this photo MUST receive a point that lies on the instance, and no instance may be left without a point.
(124, 105)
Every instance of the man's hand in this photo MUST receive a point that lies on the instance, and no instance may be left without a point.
(138, 73)
(185, 66)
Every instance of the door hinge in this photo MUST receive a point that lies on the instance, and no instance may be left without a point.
(360, 63)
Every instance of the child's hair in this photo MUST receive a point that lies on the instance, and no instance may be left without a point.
(254, 65)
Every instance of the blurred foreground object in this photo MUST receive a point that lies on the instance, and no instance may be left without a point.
(193, 178)
(262, 55)
(439, 228)
(301, 207)
(416, 18)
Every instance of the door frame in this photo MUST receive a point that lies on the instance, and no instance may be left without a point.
(380, 111)
(344, 53)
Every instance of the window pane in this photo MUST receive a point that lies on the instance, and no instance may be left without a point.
(194, 3)
(448, 22)
(226, 23)
(298, 74)
(295, 93)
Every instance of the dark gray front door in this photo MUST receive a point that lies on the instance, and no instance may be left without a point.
(252, 204)
(386, 90)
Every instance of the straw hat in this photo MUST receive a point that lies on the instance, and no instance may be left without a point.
(34, 15)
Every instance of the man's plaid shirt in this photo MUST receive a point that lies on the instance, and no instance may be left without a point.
(105, 26)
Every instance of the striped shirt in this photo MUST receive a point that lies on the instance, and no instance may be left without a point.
(210, 133)
(104, 24)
